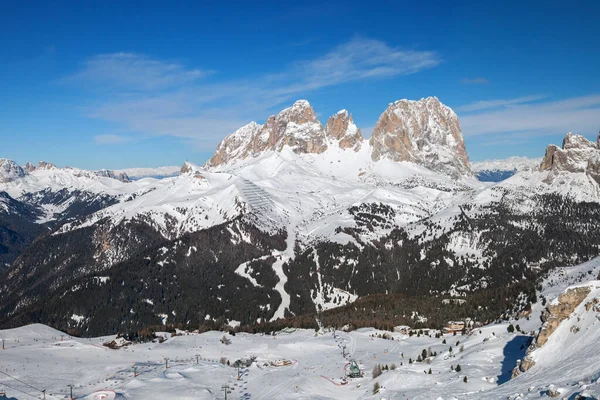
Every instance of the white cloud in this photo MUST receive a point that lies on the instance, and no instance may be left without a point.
(129, 71)
(155, 97)
(487, 104)
(577, 114)
(111, 139)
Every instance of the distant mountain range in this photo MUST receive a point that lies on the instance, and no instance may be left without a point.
(499, 170)
(292, 218)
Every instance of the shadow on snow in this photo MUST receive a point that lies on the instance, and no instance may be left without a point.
(513, 351)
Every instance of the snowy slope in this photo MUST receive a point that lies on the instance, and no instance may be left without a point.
(486, 357)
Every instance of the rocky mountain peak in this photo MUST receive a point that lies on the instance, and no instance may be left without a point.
(43, 165)
(29, 167)
(577, 154)
(300, 112)
(296, 126)
(192, 169)
(237, 145)
(425, 132)
(10, 170)
(342, 128)
(122, 176)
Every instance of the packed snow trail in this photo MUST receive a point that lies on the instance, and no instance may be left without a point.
(282, 258)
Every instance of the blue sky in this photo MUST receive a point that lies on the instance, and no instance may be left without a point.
(139, 84)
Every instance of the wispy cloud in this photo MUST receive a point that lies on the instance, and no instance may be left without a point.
(477, 81)
(487, 104)
(111, 139)
(129, 71)
(157, 97)
(522, 119)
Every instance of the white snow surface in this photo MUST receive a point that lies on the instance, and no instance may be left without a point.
(567, 361)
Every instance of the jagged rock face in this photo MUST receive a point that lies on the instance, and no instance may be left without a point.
(190, 169)
(44, 165)
(556, 313)
(296, 127)
(342, 128)
(237, 145)
(10, 170)
(552, 316)
(29, 167)
(424, 132)
(111, 174)
(577, 154)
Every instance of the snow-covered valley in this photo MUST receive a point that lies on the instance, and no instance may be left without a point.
(306, 364)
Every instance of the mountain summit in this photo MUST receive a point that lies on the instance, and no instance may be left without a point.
(424, 132)
(577, 154)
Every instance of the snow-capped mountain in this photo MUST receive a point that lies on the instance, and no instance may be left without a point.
(423, 132)
(499, 170)
(289, 218)
(10, 171)
(158, 173)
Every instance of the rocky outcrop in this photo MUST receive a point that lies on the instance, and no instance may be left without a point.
(342, 129)
(190, 169)
(122, 176)
(236, 146)
(296, 126)
(10, 170)
(29, 167)
(425, 132)
(577, 154)
(553, 315)
(43, 165)
(557, 312)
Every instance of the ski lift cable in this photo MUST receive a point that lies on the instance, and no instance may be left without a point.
(26, 384)
(17, 379)
(18, 390)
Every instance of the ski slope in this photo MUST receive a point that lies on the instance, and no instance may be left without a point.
(303, 364)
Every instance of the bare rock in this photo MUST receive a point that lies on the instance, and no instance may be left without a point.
(424, 132)
(556, 313)
(341, 127)
(296, 126)
(577, 154)
(29, 167)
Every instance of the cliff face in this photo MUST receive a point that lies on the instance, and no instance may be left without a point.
(342, 129)
(553, 315)
(577, 154)
(296, 127)
(425, 132)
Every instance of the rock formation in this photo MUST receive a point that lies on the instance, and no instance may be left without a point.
(553, 315)
(577, 154)
(425, 132)
(341, 128)
(10, 170)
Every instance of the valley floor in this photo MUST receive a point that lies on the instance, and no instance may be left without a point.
(301, 364)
